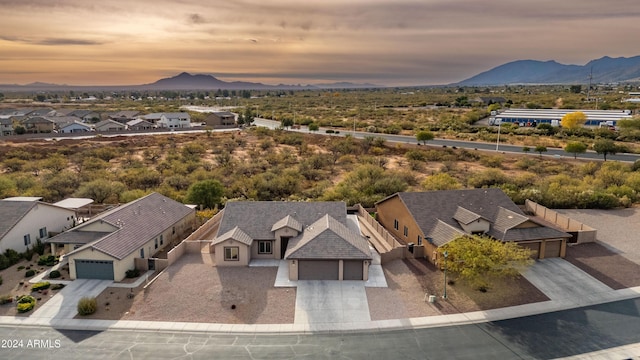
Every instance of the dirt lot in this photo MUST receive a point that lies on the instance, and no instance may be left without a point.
(410, 279)
(612, 269)
(192, 291)
(11, 278)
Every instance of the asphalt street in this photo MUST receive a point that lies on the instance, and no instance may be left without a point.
(546, 336)
(471, 145)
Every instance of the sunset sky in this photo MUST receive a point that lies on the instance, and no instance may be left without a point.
(385, 42)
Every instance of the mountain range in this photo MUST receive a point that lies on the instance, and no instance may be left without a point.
(603, 70)
(183, 82)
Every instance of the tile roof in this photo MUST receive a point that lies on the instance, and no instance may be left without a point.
(76, 237)
(287, 221)
(327, 238)
(234, 234)
(11, 212)
(256, 218)
(138, 222)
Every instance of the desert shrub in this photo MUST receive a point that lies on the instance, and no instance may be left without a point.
(132, 273)
(494, 161)
(54, 274)
(12, 255)
(48, 260)
(6, 299)
(20, 267)
(487, 178)
(30, 273)
(57, 286)
(40, 286)
(87, 306)
(26, 303)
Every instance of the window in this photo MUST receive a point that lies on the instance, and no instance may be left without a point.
(406, 231)
(27, 240)
(396, 224)
(142, 253)
(161, 239)
(43, 233)
(231, 254)
(419, 240)
(264, 247)
(156, 243)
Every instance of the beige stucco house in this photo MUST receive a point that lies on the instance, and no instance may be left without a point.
(315, 238)
(428, 220)
(23, 221)
(106, 246)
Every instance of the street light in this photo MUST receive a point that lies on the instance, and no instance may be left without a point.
(498, 141)
(445, 254)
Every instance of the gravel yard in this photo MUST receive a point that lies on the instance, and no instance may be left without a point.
(610, 268)
(410, 279)
(11, 278)
(193, 291)
(617, 229)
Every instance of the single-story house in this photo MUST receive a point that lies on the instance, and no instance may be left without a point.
(106, 246)
(152, 118)
(220, 118)
(24, 220)
(428, 220)
(174, 120)
(109, 125)
(139, 124)
(315, 238)
(74, 127)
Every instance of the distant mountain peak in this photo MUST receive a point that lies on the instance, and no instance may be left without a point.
(603, 70)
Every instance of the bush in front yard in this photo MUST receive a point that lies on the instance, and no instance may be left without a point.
(26, 303)
(133, 273)
(87, 306)
(40, 286)
(6, 299)
(30, 273)
(54, 274)
(48, 260)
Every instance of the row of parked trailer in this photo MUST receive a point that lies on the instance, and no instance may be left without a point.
(554, 116)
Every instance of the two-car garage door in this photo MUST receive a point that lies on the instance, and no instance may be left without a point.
(329, 270)
(94, 269)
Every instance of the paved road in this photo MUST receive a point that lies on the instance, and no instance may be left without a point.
(545, 336)
(591, 155)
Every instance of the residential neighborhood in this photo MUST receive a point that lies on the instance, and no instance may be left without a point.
(65, 121)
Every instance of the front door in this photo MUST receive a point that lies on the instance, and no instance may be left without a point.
(152, 264)
(284, 241)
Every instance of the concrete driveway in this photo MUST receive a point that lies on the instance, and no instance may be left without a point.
(324, 302)
(64, 304)
(560, 280)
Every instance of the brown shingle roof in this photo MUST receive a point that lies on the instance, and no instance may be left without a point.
(236, 234)
(287, 221)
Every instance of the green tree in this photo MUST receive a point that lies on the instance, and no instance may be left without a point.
(605, 147)
(526, 149)
(478, 257)
(424, 136)
(314, 127)
(575, 148)
(248, 116)
(206, 193)
(540, 149)
(101, 190)
(576, 89)
(573, 120)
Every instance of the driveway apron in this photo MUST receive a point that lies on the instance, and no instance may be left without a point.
(559, 280)
(64, 304)
(331, 302)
